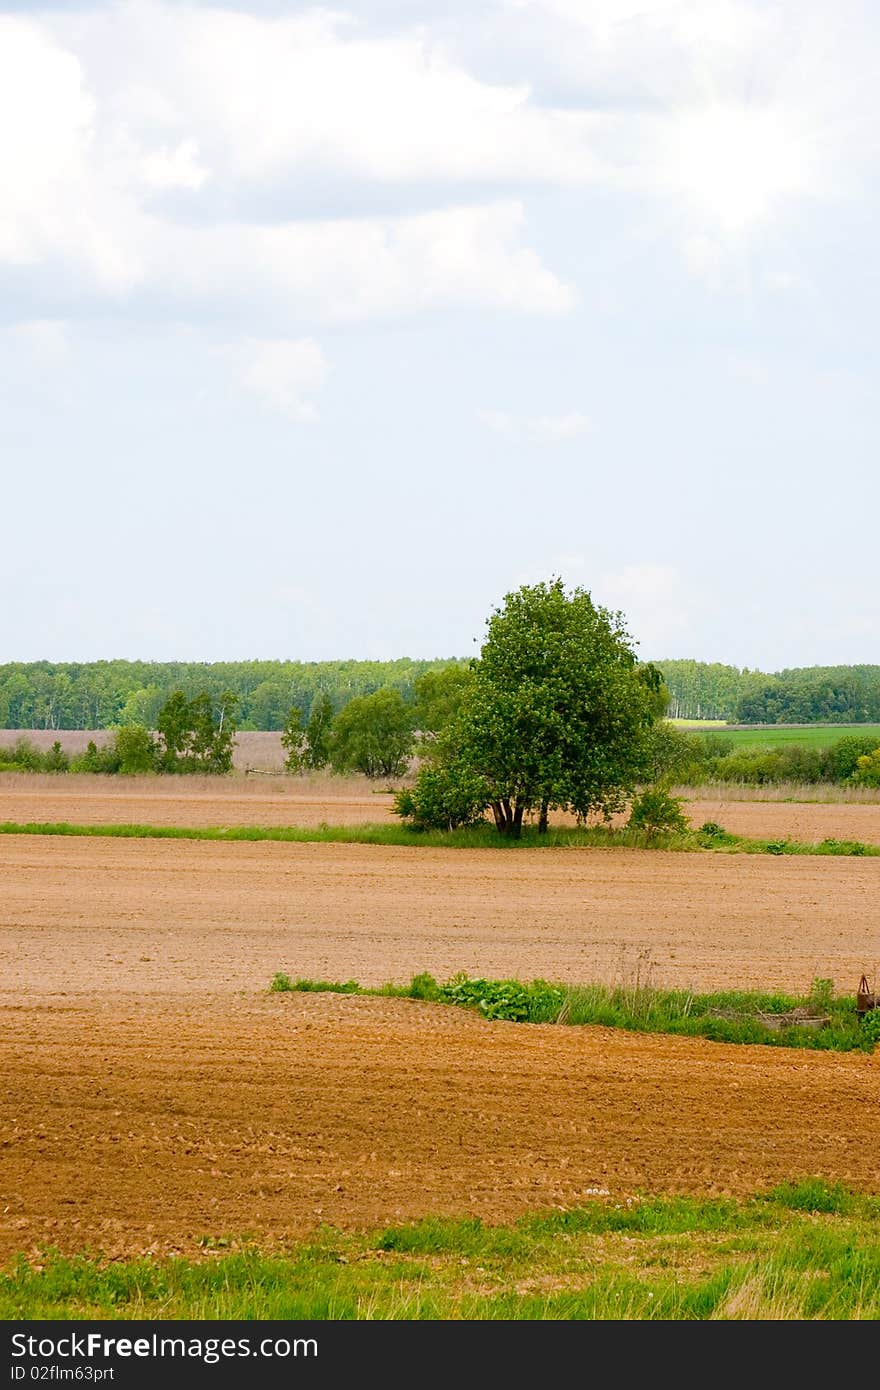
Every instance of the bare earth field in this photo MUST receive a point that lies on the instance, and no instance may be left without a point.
(133, 1125)
(152, 1092)
(308, 801)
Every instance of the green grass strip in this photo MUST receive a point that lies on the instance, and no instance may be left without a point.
(808, 1250)
(479, 837)
(733, 1016)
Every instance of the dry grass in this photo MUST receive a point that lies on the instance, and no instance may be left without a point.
(781, 791)
(317, 786)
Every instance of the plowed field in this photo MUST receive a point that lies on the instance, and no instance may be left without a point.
(351, 801)
(152, 1092)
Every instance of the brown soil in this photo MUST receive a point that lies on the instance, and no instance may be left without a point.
(202, 801)
(135, 1125)
(196, 801)
(152, 1091)
(88, 917)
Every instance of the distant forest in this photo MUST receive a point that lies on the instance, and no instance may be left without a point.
(802, 695)
(101, 694)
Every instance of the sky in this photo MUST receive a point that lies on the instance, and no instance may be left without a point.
(321, 330)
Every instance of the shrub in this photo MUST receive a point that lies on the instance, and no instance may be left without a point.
(135, 749)
(424, 986)
(445, 796)
(714, 835)
(538, 1002)
(24, 755)
(95, 759)
(657, 812)
(56, 760)
(674, 755)
(867, 773)
(871, 1025)
(843, 756)
(821, 995)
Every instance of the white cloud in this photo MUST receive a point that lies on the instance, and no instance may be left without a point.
(176, 167)
(356, 269)
(46, 340)
(551, 428)
(54, 201)
(126, 115)
(269, 94)
(546, 429)
(74, 198)
(284, 372)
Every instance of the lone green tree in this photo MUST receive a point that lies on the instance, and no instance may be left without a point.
(373, 734)
(558, 712)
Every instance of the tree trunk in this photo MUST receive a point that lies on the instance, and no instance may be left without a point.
(542, 818)
(507, 818)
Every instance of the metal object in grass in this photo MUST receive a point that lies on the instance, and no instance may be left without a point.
(866, 999)
(795, 1018)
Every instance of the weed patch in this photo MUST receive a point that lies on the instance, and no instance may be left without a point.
(731, 1016)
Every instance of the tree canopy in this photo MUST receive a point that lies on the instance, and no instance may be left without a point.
(373, 734)
(557, 713)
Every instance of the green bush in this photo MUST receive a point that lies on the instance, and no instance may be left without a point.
(718, 759)
(95, 759)
(56, 760)
(843, 756)
(538, 1002)
(445, 797)
(871, 1026)
(135, 749)
(23, 756)
(867, 773)
(657, 812)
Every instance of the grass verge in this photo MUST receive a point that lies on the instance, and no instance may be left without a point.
(732, 1016)
(806, 1250)
(715, 838)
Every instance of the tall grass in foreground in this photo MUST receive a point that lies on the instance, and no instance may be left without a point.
(713, 837)
(806, 1250)
(732, 1016)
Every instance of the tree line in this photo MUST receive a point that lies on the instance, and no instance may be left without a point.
(107, 694)
(800, 695)
(556, 713)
